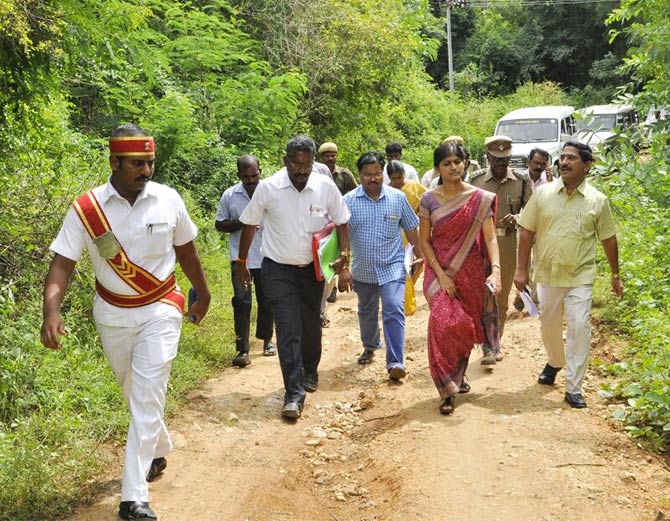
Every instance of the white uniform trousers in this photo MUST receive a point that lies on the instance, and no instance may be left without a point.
(141, 358)
(576, 302)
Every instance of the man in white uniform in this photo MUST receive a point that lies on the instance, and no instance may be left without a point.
(134, 230)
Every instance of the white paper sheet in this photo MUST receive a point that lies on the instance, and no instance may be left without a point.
(409, 258)
(528, 303)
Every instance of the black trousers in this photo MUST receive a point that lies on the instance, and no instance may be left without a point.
(242, 310)
(295, 299)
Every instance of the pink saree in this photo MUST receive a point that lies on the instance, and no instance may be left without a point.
(454, 325)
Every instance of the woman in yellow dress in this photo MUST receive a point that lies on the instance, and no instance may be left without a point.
(413, 191)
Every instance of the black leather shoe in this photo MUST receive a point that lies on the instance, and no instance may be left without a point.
(548, 375)
(133, 510)
(158, 465)
(310, 381)
(291, 410)
(575, 400)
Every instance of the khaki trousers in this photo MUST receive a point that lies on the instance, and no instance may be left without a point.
(576, 303)
(507, 247)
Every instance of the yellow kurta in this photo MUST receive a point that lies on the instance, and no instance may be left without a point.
(413, 191)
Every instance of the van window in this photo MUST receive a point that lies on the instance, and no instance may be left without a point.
(529, 130)
(597, 122)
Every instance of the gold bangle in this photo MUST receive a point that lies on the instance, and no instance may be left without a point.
(431, 262)
(495, 265)
(241, 261)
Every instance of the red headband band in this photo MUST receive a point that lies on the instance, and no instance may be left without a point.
(131, 146)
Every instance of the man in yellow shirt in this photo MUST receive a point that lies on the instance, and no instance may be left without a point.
(566, 219)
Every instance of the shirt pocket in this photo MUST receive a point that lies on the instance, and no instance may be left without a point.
(391, 226)
(587, 224)
(318, 217)
(158, 237)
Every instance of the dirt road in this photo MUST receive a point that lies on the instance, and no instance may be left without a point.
(366, 449)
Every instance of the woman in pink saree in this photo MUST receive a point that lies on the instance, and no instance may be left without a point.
(457, 236)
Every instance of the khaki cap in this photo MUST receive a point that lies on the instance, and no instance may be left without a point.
(454, 139)
(328, 147)
(499, 146)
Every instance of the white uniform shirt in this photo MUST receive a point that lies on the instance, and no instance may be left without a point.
(427, 178)
(148, 230)
(290, 217)
(410, 174)
(233, 202)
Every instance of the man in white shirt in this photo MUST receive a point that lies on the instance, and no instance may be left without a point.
(134, 230)
(292, 204)
(394, 151)
(539, 170)
(233, 202)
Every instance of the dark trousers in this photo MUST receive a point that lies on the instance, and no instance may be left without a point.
(242, 310)
(295, 298)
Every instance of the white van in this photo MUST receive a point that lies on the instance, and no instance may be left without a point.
(596, 124)
(547, 128)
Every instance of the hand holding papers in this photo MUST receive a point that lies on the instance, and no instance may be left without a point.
(528, 303)
(413, 265)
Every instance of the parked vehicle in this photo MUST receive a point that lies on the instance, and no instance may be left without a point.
(547, 128)
(597, 125)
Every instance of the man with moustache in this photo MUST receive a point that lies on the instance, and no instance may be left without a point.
(292, 204)
(233, 202)
(513, 191)
(563, 222)
(539, 171)
(134, 231)
(378, 215)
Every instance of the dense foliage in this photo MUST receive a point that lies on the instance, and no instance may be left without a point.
(214, 79)
(640, 187)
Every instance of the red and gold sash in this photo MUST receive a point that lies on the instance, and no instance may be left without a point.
(149, 288)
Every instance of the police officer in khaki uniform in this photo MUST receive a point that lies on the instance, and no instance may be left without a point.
(513, 191)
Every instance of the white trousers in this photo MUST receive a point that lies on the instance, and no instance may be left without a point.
(141, 358)
(576, 303)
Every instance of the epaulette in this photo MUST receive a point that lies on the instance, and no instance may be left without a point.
(478, 173)
(521, 174)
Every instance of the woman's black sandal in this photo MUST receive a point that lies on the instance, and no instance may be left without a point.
(447, 406)
(465, 386)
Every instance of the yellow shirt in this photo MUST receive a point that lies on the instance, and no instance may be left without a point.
(567, 231)
(413, 191)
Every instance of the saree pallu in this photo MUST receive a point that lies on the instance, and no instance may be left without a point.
(455, 325)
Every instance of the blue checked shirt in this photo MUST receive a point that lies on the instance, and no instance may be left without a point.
(374, 229)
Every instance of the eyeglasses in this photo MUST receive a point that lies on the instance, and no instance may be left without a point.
(375, 175)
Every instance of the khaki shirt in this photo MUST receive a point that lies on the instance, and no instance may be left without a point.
(344, 179)
(567, 230)
(513, 192)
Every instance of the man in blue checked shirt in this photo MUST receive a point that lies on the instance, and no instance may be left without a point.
(378, 214)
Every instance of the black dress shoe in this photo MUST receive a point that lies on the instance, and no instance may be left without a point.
(291, 410)
(548, 375)
(575, 400)
(310, 381)
(158, 465)
(133, 510)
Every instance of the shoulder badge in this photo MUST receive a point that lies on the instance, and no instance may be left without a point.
(521, 174)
